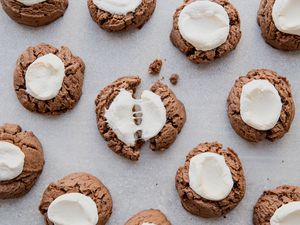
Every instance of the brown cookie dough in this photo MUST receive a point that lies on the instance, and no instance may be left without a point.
(113, 22)
(155, 67)
(149, 216)
(33, 164)
(35, 15)
(175, 110)
(82, 183)
(271, 200)
(198, 56)
(287, 113)
(199, 206)
(71, 90)
(270, 33)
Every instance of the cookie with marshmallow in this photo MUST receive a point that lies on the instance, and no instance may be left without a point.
(279, 21)
(126, 121)
(76, 199)
(149, 217)
(278, 206)
(35, 12)
(261, 106)
(48, 80)
(21, 161)
(211, 182)
(121, 15)
(205, 30)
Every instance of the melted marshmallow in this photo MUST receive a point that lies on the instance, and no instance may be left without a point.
(120, 7)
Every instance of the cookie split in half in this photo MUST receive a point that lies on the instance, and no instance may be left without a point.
(35, 12)
(48, 80)
(149, 217)
(21, 160)
(82, 197)
(126, 122)
(211, 183)
(217, 19)
(279, 21)
(261, 106)
(278, 206)
(115, 16)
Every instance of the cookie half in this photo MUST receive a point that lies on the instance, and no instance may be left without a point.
(203, 53)
(272, 35)
(175, 117)
(113, 17)
(39, 14)
(151, 216)
(69, 89)
(12, 138)
(200, 206)
(81, 183)
(286, 115)
(272, 200)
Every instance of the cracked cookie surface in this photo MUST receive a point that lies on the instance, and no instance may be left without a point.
(271, 200)
(270, 33)
(113, 22)
(198, 56)
(149, 216)
(70, 91)
(199, 206)
(35, 15)
(286, 116)
(175, 112)
(33, 163)
(82, 183)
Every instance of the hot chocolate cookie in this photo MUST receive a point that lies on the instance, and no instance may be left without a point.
(149, 217)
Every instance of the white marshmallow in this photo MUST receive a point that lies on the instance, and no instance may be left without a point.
(286, 16)
(260, 104)
(11, 161)
(120, 117)
(204, 24)
(44, 77)
(119, 7)
(210, 176)
(288, 214)
(30, 2)
(73, 209)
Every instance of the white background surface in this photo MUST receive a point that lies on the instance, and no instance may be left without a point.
(72, 143)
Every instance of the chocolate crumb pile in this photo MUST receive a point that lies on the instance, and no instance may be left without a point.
(174, 79)
(155, 66)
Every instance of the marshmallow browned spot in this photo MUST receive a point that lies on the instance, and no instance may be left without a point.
(200, 206)
(39, 14)
(150, 216)
(286, 116)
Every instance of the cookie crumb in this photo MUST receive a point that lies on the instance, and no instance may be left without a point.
(174, 79)
(155, 66)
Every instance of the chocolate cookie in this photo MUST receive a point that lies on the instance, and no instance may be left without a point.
(152, 216)
(175, 117)
(35, 15)
(33, 161)
(71, 88)
(271, 200)
(122, 22)
(199, 56)
(270, 33)
(200, 206)
(82, 183)
(286, 116)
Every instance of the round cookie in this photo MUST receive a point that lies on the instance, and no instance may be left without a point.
(199, 56)
(286, 116)
(118, 22)
(33, 161)
(71, 89)
(152, 216)
(82, 183)
(269, 31)
(271, 200)
(35, 15)
(175, 113)
(199, 206)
